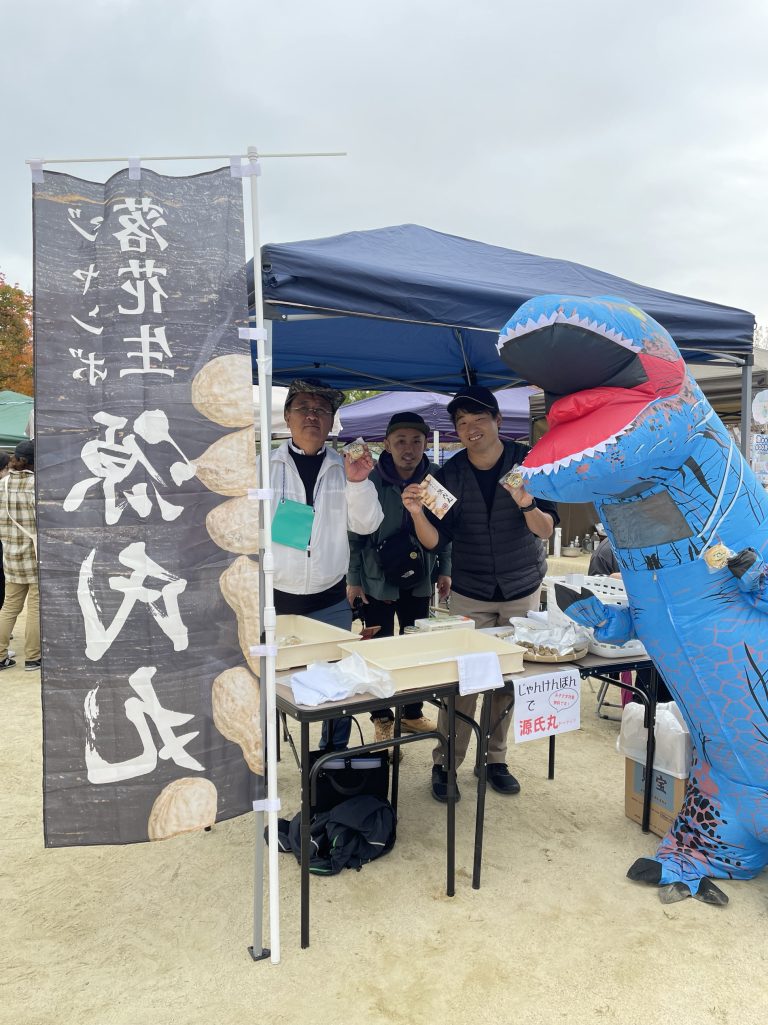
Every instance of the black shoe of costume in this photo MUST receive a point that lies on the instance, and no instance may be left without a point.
(501, 779)
(440, 784)
(32, 664)
(7, 663)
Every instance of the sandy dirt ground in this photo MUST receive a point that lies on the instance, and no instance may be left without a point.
(156, 934)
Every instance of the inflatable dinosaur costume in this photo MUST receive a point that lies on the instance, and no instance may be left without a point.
(631, 431)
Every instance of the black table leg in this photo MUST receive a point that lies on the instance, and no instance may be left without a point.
(451, 816)
(395, 763)
(305, 835)
(650, 725)
(551, 772)
(482, 785)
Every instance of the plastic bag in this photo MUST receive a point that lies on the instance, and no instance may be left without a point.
(673, 741)
(558, 636)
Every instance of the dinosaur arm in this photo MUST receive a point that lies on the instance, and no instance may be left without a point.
(751, 575)
(612, 624)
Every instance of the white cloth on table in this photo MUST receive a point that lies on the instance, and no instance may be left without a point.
(479, 671)
(334, 681)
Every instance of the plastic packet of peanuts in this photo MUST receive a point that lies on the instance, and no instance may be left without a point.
(355, 449)
(716, 557)
(435, 497)
(513, 478)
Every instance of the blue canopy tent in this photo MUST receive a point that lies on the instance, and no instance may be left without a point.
(409, 308)
(369, 417)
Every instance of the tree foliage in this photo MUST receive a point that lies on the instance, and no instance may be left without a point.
(355, 394)
(16, 360)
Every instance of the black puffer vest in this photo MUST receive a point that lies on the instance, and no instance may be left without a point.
(496, 550)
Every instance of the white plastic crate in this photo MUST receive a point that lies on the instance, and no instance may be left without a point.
(610, 590)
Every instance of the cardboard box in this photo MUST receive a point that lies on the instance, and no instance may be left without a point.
(667, 796)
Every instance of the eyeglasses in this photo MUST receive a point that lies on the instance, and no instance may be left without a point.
(318, 411)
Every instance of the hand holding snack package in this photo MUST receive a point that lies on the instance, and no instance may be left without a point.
(358, 461)
(435, 497)
(355, 449)
(512, 479)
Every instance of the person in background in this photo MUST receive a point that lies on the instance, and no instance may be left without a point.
(603, 562)
(318, 497)
(402, 462)
(4, 460)
(18, 535)
(498, 562)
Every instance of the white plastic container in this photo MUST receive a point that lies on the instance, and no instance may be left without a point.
(557, 543)
(445, 623)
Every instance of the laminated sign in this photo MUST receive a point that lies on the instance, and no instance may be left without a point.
(145, 454)
(547, 704)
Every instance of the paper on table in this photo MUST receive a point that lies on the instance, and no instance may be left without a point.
(479, 671)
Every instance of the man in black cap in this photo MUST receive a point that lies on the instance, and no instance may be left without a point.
(498, 561)
(382, 572)
(318, 497)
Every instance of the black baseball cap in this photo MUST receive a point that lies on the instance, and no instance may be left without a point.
(473, 399)
(407, 420)
(25, 450)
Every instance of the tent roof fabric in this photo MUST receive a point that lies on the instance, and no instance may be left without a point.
(14, 417)
(407, 307)
(368, 418)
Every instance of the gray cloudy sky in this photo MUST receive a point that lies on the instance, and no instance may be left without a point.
(631, 137)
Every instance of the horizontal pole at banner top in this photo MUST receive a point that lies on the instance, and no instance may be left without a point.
(215, 156)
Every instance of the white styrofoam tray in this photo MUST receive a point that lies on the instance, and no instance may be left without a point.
(632, 649)
(421, 659)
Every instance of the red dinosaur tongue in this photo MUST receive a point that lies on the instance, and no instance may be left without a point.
(585, 419)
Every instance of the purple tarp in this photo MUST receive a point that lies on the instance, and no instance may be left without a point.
(368, 418)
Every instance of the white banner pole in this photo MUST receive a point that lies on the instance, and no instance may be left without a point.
(264, 363)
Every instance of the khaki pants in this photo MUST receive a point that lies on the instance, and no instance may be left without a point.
(484, 613)
(15, 595)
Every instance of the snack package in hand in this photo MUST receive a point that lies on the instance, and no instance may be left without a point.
(355, 449)
(513, 478)
(716, 557)
(435, 497)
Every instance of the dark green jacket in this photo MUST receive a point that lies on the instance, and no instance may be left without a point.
(364, 568)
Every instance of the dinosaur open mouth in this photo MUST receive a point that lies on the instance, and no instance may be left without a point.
(584, 423)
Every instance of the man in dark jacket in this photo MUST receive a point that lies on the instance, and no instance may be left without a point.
(402, 463)
(498, 560)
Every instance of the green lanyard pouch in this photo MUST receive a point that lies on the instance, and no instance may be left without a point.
(292, 524)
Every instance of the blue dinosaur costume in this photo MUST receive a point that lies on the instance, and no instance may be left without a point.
(631, 431)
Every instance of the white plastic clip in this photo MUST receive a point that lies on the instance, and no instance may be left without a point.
(238, 169)
(252, 334)
(134, 169)
(267, 805)
(36, 169)
(263, 649)
(260, 494)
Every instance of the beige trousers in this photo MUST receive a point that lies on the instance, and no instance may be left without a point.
(484, 613)
(15, 596)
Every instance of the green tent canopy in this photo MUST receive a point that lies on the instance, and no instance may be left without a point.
(15, 410)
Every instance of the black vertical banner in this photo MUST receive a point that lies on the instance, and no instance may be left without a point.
(145, 457)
